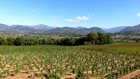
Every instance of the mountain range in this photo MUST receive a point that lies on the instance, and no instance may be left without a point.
(115, 29)
(66, 29)
(71, 30)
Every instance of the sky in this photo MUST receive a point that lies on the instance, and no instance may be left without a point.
(72, 13)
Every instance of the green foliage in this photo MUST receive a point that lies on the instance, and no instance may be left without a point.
(19, 41)
(67, 41)
(2, 41)
(95, 38)
(98, 38)
(87, 43)
(10, 41)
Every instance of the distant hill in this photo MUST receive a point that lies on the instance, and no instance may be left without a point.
(135, 28)
(42, 27)
(115, 29)
(20, 28)
(24, 28)
(3, 27)
(48, 29)
(131, 30)
(70, 30)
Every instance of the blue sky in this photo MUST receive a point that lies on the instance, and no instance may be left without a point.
(72, 13)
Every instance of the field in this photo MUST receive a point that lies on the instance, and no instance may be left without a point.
(70, 62)
(117, 47)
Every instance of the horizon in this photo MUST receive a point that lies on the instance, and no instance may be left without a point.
(69, 26)
(84, 13)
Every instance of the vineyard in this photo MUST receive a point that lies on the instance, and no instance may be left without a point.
(65, 62)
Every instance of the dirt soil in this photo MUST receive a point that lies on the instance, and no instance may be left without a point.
(132, 75)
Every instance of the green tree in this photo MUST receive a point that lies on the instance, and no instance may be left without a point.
(19, 41)
(109, 40)
(10, 41)
(2, 41)
(93, 37)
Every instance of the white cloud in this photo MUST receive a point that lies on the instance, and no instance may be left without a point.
(82, 18)
(78, 19)
(138, 14)
(72, 20)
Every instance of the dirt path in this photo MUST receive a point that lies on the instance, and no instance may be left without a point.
(133, 75)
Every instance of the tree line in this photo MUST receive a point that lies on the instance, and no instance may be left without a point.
(95, 38)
